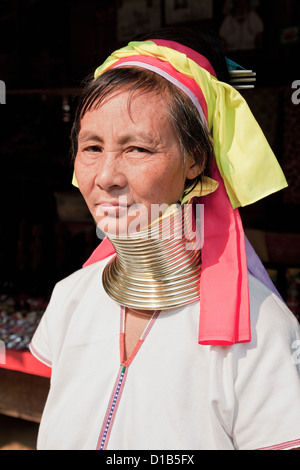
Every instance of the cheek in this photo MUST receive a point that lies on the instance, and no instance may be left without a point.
(162, 185)
(84, 176)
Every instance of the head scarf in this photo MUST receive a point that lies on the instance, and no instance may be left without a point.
(245, 169)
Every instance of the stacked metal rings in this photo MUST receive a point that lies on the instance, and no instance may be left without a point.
(158, 267)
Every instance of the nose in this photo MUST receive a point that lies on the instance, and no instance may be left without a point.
(110, 172)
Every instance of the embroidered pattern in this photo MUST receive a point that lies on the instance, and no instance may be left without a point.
(284, 445)
(120, 381)
(112, 409)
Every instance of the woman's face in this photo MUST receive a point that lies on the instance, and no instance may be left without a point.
(129, 162)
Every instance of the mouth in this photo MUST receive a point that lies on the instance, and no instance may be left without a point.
(111, 208)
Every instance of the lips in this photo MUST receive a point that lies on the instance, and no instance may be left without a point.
(109, 204)
(111, 208)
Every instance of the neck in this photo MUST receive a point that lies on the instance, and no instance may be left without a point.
(157, 268)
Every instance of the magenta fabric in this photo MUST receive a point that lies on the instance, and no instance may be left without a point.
(224, 292)
(102, 251)
(190, 53)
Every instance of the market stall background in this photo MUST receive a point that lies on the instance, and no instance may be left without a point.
(46, 50)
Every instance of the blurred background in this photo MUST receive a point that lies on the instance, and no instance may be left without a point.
(47, 48)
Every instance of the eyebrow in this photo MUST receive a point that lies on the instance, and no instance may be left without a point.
(88, 135)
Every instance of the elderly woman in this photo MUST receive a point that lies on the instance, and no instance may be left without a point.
(171, 336)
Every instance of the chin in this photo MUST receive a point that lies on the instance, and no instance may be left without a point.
(122, 226)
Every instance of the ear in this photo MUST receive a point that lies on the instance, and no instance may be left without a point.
(193, 169)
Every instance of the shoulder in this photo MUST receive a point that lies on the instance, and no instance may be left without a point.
(266, 374)
(275, 332)
(80, 279)
(71, 299)
(269, 314)
(75, 293)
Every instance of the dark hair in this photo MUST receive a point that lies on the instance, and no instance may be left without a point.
(192, 133)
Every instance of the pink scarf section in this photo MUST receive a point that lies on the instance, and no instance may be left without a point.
(224, 292)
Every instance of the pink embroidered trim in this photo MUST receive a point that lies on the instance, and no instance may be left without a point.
(284, 445)
(120, 380)
(150, 325)
(145, 333)
(112, 409)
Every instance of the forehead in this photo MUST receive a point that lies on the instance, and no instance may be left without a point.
(144, 110)
(116, 80)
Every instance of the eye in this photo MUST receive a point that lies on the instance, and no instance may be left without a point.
(93, 149)
(139, 150)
